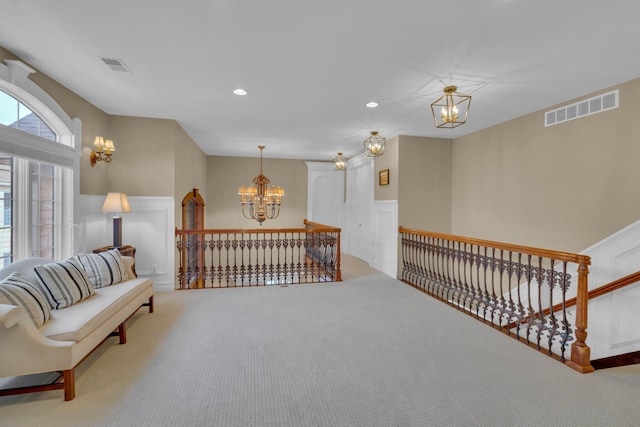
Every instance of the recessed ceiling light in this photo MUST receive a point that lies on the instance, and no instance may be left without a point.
(240, 92)
(372, 104)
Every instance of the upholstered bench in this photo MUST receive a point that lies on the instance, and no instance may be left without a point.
(57, 340)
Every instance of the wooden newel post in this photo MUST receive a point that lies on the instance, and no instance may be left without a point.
(580, 351)
(338, 277)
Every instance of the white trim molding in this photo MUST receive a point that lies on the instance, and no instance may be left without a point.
(149, 228)
(385, 237)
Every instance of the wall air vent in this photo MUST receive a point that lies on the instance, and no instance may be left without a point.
(115, 64)
(586, 107)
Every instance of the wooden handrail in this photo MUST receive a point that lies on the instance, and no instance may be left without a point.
(256, 257)
(557, 255)
(602, 290)
(470, 274)
(317, 227)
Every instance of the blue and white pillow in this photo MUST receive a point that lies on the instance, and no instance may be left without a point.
(64, 283)
(18, 290)
(104, 268)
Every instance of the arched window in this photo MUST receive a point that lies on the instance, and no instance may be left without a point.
(38, 162)
(15, 114)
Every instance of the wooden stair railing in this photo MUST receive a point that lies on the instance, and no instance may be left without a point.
(258, 257)
(603, 290)
(507, 286)
(631, 358)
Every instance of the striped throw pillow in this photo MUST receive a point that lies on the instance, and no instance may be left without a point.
(104, 268)
(64, 283)
(17, 290)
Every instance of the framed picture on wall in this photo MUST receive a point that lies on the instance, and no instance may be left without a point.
(383, 177)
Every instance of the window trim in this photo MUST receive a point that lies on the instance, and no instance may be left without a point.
(66, 152)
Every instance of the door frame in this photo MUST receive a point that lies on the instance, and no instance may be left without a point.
(360, 161)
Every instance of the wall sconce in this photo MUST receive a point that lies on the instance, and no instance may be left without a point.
(103, 148)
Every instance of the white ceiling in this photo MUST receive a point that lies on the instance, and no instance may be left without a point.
(310, 67)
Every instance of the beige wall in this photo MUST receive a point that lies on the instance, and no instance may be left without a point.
(563, 187)
(389, 160)
(190, 168)
(226, 174)
(424, 183)
(154, 157)
(144, 161)
(94, 122)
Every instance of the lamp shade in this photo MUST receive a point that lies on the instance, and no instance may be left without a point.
(116, 202)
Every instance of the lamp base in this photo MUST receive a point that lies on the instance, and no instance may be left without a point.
(117, 231)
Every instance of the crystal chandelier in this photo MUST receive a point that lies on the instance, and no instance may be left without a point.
(374, 145)
(453, 108)
(258, 201)
(340, 162)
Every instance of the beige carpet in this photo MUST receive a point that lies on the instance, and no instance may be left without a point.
(369, 351)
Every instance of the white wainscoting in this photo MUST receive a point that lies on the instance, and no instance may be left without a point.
(150, 228)
(385, 237)
(614, 318)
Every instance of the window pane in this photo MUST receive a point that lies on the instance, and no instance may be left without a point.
(8, 110)
(46, 253)
(46, 237)
(42, 209)
(5, 261)
(46, 188)
(46, 213)
(47, 132)
(46, 169)
(35, 241)
(35, 181)
(6, 212)
(23, 112)
(15, 114)
(6, 204)
(5, 243)
(6, 178)
(35, 212)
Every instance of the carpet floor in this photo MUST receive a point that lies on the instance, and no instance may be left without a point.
(369, 351)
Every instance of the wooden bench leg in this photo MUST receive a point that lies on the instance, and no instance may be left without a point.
(69, 379)
(151, 304)
(122, 333)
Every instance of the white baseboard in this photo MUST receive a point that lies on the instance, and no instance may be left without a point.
(163, 287)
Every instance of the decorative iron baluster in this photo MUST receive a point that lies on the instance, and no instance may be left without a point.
(479, 278)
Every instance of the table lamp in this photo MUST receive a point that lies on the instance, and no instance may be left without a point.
(118, 204)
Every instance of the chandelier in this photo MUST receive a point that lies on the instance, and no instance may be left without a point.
(451, 109)
(258, 201)
(374, 145)
(340, 162)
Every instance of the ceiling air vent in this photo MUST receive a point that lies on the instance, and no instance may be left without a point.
(115, 64)
(586, 107)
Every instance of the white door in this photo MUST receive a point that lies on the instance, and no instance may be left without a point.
(360, 207)
(325, 194)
